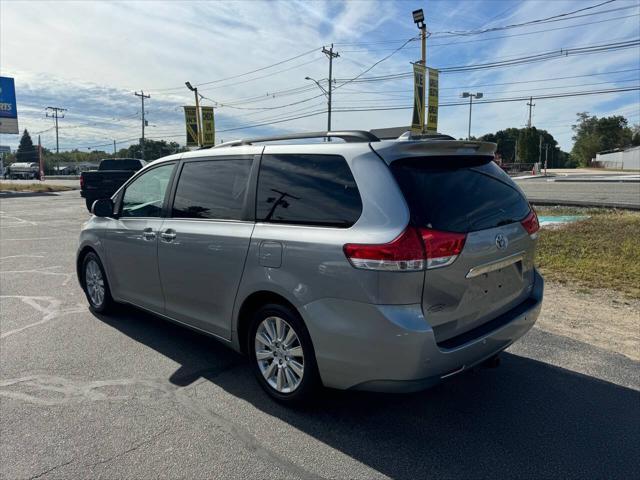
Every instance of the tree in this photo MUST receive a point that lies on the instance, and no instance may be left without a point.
(635, 139)
(593, 135)
(154, 149)
(26, 151)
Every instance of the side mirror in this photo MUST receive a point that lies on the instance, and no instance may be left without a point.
(102, 207)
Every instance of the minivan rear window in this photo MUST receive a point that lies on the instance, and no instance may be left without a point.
(315, 190)
(459, 194)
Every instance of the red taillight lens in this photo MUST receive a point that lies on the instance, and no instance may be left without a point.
(415, 249)
(402, 254)
(81, 181)
(442, 248)
(531, 224)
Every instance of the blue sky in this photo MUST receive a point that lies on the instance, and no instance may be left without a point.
(90, 57)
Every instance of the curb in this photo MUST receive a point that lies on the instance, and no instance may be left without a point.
(586, 204)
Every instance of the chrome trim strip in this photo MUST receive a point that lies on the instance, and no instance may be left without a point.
(496, 265)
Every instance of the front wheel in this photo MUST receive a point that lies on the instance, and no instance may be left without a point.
(95, 285)
(282, 354)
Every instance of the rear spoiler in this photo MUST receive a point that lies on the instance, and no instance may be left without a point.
(394, 150)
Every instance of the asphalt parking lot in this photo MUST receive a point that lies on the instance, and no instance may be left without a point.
(132, 396)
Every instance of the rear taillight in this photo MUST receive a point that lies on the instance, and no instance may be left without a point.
(415, 249)
(442, 248)
(531, 224)
(405, 253)
(81, 181)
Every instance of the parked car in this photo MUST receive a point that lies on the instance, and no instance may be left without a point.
(109, 177)
(366, 264)
(24, 170)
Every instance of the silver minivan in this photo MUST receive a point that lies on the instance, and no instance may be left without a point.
(354, 263)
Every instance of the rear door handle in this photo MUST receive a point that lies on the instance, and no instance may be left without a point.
(168, 235)
(148, 234)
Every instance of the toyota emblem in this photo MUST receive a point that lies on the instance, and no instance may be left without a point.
(501, 241)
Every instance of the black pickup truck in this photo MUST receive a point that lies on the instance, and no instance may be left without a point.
(109, 177)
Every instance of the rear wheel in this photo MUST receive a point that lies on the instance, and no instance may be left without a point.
(88, 203)
(95, 285)
(282, 354)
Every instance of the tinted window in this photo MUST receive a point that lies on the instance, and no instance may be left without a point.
(308, 190)
(212, 189)
(459, 195)
(121, 164)
(145, 195)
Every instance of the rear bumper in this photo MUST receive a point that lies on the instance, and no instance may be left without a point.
(392, 348)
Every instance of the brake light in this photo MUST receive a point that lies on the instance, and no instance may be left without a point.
(405, 253)
(413, 250)
(531, 224)
(81, 181)
(442, 248)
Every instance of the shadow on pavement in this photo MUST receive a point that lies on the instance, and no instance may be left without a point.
(526, 419)
(12, 194)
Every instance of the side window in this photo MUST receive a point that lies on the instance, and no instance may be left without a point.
(145, 195)
(307, 190)
(212, 189)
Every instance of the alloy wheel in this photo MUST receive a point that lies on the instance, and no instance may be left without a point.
(94, 283)
(279, 354)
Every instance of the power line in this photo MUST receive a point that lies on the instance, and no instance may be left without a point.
(459, 87)
(535, 32)
(553, 18)
(377, 63)
(241, 74)
(516, 61)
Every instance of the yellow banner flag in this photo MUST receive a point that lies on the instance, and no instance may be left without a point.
(208, 127)
(191, 121)
(432, 116)
(417, 124)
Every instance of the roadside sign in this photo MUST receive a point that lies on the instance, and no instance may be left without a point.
(8, 108)
(191, 121)
(432, 116)
(417, 124)
(5, 149)
(208, 127)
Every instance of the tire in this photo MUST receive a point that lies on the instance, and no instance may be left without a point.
(89, 203)
(93, 277)
(287, 372)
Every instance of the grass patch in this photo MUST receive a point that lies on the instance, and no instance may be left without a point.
(32, 187)
(601, 252)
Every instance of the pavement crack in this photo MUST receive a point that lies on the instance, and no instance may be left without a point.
(135, 447)
(50, 470)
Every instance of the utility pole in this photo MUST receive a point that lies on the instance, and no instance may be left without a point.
(195, 91)
(546, 157)
(331, 55)
(540, 152)
(531, 105)
(142, 97)
(114, 147)
(55, 113)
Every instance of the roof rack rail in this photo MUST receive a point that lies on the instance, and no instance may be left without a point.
(346, 135)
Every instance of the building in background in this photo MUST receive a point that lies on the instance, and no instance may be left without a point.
(620, 159)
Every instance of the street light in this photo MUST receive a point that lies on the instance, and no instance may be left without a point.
(471, 96)
(328, 95)
(418, 18)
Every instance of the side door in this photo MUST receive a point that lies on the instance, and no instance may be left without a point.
(203, 244)
(132, 242)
